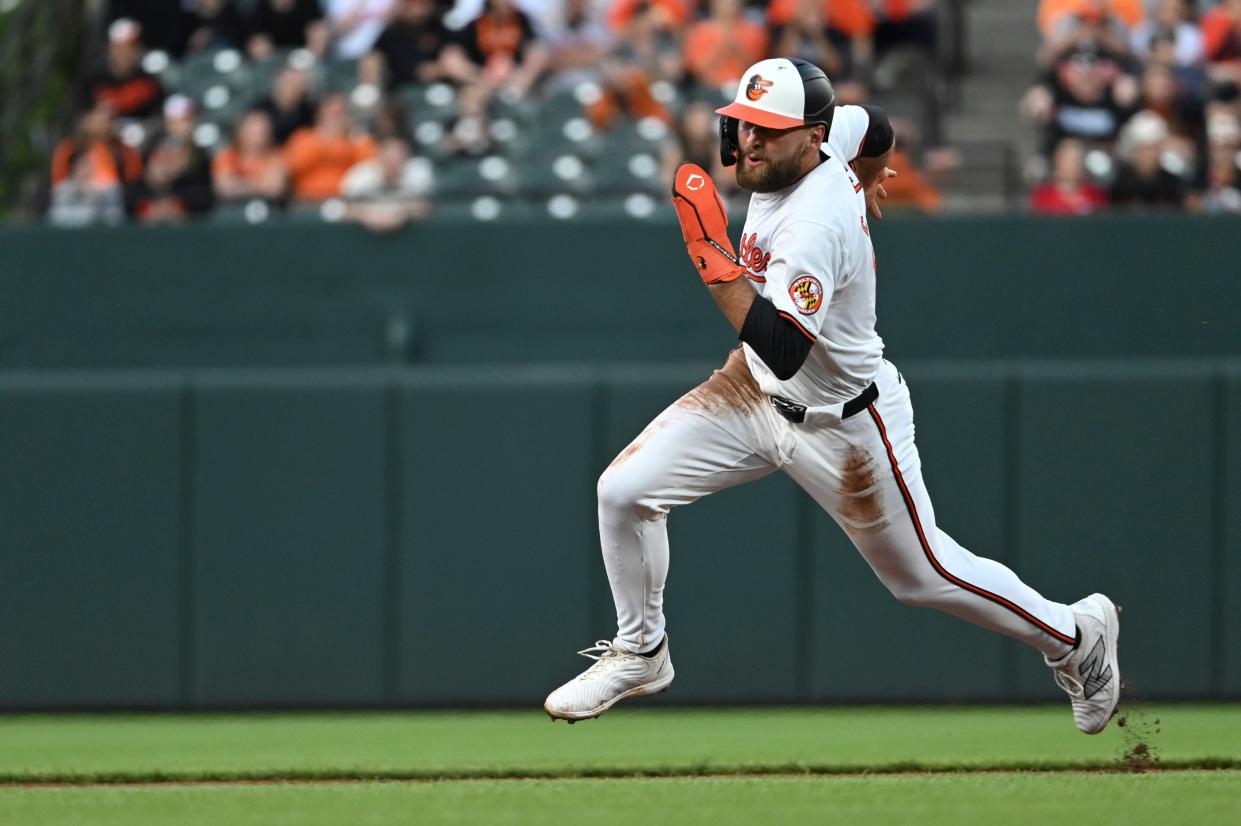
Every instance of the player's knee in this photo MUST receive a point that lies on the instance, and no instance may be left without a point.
(917, 591)
(616, 491)
(622, 491)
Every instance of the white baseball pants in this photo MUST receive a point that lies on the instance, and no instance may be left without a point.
(864, 471)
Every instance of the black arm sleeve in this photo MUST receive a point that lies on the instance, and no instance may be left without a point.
(781, 344)
(879, 136)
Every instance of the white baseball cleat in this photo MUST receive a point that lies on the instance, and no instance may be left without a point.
(615, 675)
(1089, 674)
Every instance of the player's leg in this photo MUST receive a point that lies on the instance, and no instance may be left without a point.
(719, 435)
(866, 473)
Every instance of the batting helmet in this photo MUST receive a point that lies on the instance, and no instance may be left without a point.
(778, 93)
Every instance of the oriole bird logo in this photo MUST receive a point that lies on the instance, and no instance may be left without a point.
(757, 87)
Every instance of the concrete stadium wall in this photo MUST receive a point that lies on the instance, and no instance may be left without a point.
(214, 538)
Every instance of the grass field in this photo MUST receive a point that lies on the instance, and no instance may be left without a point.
(795, 765)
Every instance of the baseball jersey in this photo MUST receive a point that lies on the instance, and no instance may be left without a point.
(807, 249)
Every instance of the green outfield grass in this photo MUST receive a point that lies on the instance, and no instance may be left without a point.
(794, 765)
(928, 800)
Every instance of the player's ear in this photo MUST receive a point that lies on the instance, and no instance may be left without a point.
(818, 134)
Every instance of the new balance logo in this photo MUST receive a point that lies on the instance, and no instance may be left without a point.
(1095, 675)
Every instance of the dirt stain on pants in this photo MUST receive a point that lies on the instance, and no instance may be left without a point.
(861, 498)
(732, 387)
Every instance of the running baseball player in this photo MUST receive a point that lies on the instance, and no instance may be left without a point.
(807, 392)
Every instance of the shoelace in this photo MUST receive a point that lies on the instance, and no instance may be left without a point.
(607, 657)
(604, 646)
(1071, 685)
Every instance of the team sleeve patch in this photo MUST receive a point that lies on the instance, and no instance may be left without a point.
(807, 294)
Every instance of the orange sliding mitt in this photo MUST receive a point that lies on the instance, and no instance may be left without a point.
(704, 224)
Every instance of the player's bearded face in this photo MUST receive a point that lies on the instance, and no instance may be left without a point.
(770, 160)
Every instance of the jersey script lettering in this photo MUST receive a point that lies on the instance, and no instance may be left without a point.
(752, 254)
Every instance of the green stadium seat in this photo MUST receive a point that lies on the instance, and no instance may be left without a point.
(482, 209)
(338, 75)
(244, 213)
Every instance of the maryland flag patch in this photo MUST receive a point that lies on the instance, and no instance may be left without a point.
(807, 294)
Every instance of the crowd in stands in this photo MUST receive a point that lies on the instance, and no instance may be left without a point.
(1139, 106)
(372, 110)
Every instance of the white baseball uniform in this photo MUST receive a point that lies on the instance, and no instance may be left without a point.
(807, 249)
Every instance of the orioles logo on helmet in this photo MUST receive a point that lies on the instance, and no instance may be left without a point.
(757, 87)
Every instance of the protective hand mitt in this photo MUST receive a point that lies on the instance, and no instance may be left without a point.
(704, 225)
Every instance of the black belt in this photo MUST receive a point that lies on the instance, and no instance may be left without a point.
(796, 413)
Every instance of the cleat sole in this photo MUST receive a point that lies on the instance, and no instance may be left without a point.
(658, 687)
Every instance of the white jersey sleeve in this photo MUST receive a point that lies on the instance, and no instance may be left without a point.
(849, 127)
(805, 269)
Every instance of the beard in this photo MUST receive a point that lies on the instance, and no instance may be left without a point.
(770, 177)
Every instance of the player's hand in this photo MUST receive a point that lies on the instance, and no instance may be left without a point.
(875, 191)
(704, 224)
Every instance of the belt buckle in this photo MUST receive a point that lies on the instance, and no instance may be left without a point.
(789, 409)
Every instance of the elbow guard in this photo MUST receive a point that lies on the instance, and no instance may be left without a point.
(879, 135)
(780, 343)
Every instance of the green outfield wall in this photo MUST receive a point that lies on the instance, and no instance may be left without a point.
(426, 536)
(453, 293)
(303, 465)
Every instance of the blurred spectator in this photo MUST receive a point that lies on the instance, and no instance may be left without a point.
(209, 25)
(253, 166)
(717, 50)
(1170, 24)
(648, 43)
(1083, 96)
(916, 185)
(501, 45)
(159, 20)
(497, 52)
(469, 133)
(1223, 191)
(804, 33)
(1068, 192)
(288, 105)
(1183, 113)
(318, 158)
(1100, 25)
(1226, 97)
(286, 24)
(355, 25)
(390, 190)
(1221, 35)
(78, 201)
(96, 169)
(697, 140)
(800, 27)
(1063, 15)
(391, 120)
(910, 189)
(667, 14)
(902, 23)
(411, 48)
(176, 178)
(1143, 180)
(647, 50)
(577, 43)
(121, 82)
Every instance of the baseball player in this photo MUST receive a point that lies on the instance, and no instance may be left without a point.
(807, 392)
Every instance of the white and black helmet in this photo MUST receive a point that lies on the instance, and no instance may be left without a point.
(779, 93)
